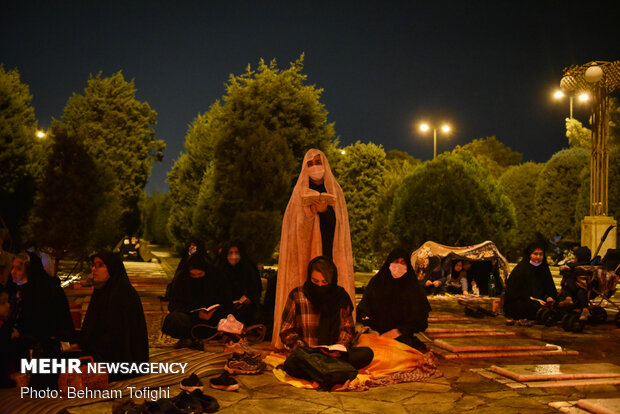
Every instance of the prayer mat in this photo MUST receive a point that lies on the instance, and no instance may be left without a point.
(201, 363)
(393, 362)
(545, 372)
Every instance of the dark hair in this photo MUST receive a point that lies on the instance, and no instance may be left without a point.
(533, 246)
(326, 267)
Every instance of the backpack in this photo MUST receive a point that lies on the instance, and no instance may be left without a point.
(312, 364)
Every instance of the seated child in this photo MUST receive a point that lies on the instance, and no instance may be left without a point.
(573, 286)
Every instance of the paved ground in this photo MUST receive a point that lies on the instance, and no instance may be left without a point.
(458, 390)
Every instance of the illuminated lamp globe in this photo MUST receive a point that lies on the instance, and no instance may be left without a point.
(567, 83)
(594, 74)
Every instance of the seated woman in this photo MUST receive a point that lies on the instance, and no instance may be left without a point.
(321, 313)
(193, 294)
(243, 277)
(394, 303)
(531, 278)
(39, 306)
(114, 328)
(482, 275)
(573, 291)
(433, 279)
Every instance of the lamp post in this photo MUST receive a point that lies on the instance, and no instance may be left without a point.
(445, 128)
(601, 79)
(583, 97)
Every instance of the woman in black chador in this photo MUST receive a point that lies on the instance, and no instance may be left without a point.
(531, 278)
(242, 276)
(114, 328)
(39, 307)
(394, 303)
(194, 291)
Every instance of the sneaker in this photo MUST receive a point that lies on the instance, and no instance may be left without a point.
(191, 383)
(525, 322)
(231, 325)
(224, 382)
(585, 314)
(510, 322)
(244, 364)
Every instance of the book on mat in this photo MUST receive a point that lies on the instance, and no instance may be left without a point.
(209, 309)
(334, 347)
(311, 196)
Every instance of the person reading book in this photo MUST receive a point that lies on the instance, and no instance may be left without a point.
(193, 296)
(320, 314)
(316, 223)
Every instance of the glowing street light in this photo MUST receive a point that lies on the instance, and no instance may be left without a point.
(40, 134)
(445, 128)
(583, 97)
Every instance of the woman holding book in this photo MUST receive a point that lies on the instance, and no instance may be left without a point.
(243, 277)
(194, 294)
(315, 223)
(394, 304)
(320, 313)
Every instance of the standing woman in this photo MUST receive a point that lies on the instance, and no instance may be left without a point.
(114, 328)
(531, 278)
(394, 304)
(310, 229)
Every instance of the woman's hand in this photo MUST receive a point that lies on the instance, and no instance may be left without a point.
(241, 302)
(428, 283)
(392, 333)
(333, 354)
(319, 206)
(206, 315)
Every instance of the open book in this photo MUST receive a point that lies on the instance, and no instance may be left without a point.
(311, 196)
(334, 347)
(209, 309)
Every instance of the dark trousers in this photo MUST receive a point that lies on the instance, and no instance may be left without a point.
(179, 324)
(359, 357)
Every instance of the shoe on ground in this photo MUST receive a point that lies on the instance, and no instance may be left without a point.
(526, 323)
(191, 383)
(585, 314)
(244, 364)
(204, 402)
(510, 322)
(224, 382)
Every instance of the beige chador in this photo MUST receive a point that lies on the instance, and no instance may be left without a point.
(300, 241)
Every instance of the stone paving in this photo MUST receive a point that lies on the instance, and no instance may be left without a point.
(458, 390)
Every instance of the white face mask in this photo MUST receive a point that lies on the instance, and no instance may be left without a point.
(316, 172)
(535, 264)
(398, 270)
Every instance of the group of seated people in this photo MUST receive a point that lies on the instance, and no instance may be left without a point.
(530, 285)
(461, 276)
(35, 319)
(204, 291)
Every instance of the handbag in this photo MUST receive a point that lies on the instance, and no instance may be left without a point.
(313, 365)
(83, 380)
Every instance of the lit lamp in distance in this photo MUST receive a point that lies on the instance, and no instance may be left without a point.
(40, 134)
(445, 128)
(582, 97)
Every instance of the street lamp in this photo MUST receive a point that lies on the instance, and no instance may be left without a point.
(583, 97)
(40, 134)
(445, 128)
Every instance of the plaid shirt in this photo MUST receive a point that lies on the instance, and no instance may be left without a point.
(300, 322)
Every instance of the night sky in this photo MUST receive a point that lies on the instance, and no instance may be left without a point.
(487, 67)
